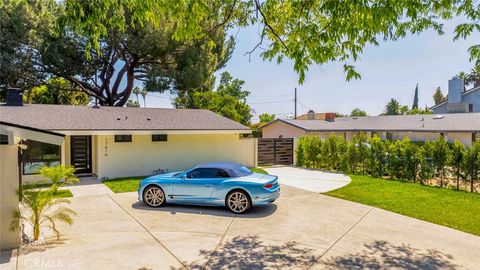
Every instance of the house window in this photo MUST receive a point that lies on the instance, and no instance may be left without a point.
(474, 137)
(38, 155)
(123, 138)
(159, 137)
(3, 139)
(470, 107)
(389, 136)
(374, 133)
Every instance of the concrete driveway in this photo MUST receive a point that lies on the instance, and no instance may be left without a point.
(311, 180)
(302, 230)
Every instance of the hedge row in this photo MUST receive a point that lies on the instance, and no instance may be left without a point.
(401, 159)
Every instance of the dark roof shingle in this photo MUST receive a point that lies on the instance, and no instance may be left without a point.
(64, 117)
(463, 122)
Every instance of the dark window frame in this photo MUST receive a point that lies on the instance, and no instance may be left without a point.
(3, 139)
(43, 158)
(123, 138)
(470, 107)
(159, 137)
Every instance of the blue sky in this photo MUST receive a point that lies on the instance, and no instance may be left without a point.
(390, 70)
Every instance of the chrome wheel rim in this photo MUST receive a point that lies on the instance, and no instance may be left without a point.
(238, 202)
(154, 196)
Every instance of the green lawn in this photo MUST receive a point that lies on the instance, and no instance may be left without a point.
(61, 193)
(124, 184)
(129, 184)
(456, 209)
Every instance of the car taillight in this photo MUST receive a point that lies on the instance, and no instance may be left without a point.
(267, 186)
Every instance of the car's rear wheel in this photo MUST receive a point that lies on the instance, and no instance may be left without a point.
(238, 202)
(153, 196)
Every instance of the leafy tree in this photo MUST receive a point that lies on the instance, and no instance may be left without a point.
(229, 100)
(471, 164)
(60, 176)
(358, 112)
(440, 155)
(438, 97)
(56, 91)
(392, 107)
(377, 157)
(415, 99)
(23, 24)
(410, 159)
(153, 51)
(456, 159)
(266, 118)
(427, 166)
(332, 150)
(132, 103)
(136, 91)
(426, 110)
(144, 93)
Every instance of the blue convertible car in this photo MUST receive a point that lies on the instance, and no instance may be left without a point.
(229, 184)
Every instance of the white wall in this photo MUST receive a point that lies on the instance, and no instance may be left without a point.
(142, 156)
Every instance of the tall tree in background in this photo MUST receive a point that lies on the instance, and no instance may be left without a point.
(56, 91)
(151, 49)
(392, 107)
(438, 96)
(136, 91)
(415, 99)
(358, 112)
(266, 117)
(229, 100)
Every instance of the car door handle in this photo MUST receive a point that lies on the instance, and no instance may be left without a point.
(208, 185)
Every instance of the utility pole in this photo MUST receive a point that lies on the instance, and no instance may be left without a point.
(295, 103)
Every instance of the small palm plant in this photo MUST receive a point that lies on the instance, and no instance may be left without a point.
(41, 209)
(58, 173)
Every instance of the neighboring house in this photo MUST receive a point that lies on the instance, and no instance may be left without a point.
(459, 100)
(464, 127)
(114, 142)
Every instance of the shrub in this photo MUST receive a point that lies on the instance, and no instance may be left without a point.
(441, 153)
(471, 164)
(456, 159)
(377, 157)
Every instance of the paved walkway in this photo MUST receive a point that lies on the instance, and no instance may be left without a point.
(311, 180)
(89, 186)
(302, 230)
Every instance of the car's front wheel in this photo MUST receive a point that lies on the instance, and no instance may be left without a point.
(238, 202)
(153, 196)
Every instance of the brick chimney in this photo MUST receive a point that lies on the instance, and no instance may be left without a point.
(330, 117)
(13, 97)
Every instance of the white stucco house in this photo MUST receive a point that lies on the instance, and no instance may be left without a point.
(109, 142)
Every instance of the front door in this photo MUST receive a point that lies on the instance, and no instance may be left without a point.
(81, 153)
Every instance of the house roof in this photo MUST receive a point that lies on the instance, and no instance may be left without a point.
(461, 122)
(85, 118)
(469, 91)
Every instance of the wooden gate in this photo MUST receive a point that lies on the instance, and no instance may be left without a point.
(275, 151)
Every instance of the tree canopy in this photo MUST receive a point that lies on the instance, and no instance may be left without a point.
(358, 112)
(438, 96)
(105, 46)
(266, 117)
(56, 91)
(229, 100)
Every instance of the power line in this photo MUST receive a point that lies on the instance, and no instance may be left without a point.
(267, 102)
